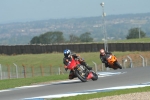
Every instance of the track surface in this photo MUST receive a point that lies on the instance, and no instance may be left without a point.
(124, 77)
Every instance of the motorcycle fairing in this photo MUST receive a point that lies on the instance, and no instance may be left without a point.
(72, 64)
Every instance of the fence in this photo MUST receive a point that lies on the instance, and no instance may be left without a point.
(15, 71)
(93, 47)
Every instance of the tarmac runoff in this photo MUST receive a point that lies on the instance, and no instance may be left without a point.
(100, 74)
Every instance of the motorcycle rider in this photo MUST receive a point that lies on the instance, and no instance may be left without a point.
(103, 57)
(67, 58)
(103, 54)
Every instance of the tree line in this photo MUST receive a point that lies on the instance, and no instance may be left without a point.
(135, 33)
(58, 37)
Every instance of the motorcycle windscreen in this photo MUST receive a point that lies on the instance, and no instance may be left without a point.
(72, 64)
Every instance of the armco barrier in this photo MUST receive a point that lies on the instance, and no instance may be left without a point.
(93, 47)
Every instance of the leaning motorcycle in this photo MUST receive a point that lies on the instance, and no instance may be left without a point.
(81, 71)
(112, 61)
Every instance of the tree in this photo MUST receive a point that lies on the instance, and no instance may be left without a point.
(135, 33)
(48, 37)
(74, 38)
(35, 40)
(85, 37)
(57, 37)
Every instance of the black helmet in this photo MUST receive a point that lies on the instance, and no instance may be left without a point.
(67, 53)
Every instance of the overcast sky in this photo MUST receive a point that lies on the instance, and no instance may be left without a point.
(29, 10)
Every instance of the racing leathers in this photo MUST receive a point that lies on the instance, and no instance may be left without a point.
(103, 58)
(75, 56)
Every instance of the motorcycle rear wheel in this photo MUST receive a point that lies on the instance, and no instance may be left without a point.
(95, 76)
(82, 78)
(118, 65)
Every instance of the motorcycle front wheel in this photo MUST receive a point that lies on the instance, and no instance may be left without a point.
(118, 65)
(80, 75)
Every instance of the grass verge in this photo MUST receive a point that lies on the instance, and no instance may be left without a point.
(12, 83)
(104, 94)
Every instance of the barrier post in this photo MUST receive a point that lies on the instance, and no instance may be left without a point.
(16, 70)
(142, 61)
(24, 70)
(1, 71)
(95, 66)
(131, 65)
(8, 70)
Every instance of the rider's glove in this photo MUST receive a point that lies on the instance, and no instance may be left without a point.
(82, 59)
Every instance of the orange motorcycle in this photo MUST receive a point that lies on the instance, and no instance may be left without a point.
(112, 62)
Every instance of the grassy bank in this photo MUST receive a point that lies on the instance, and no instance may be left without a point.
(12, 83)
(104, 94)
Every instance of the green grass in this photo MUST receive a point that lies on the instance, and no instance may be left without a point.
(53, 59)
(12, 83)
(104, 94)
(141, 40)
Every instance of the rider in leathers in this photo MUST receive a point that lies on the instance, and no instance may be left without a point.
(67, 58)
(103, 57)
(103, 54)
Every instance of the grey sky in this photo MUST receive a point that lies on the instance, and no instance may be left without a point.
(28, 10)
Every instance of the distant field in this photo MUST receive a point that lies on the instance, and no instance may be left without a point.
(141, 40)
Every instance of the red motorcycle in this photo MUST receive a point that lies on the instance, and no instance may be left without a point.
(81, 71)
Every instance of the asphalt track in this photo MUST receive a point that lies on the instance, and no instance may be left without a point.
(107, 79)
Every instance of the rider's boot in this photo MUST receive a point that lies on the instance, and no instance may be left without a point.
(88, 67)
(71, 75)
